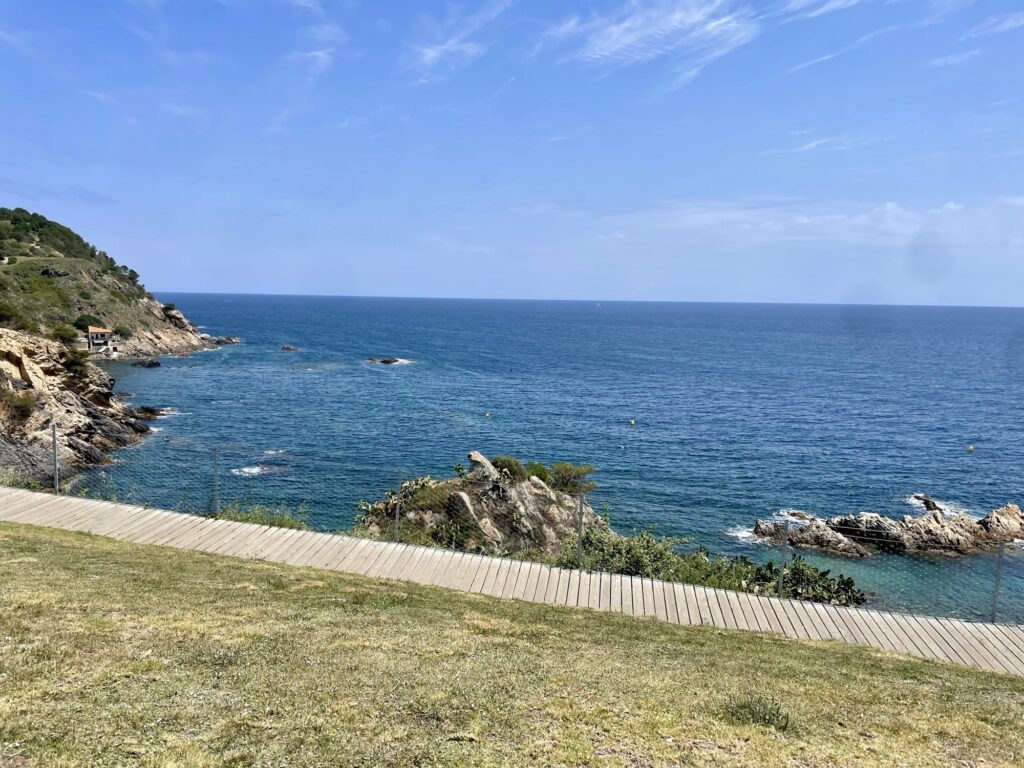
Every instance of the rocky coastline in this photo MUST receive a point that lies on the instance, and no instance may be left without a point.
(933, 533)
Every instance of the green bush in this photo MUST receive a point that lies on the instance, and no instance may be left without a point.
(168, 308)
(123, 331)
(756, 709)
(65, 334)
(511, 465)
(538, 470)
(12, 260)
(76, 362)
(279, 517)
(646, 555)
(19, 404)
(569, 478)
(82, 322)
(11, 316)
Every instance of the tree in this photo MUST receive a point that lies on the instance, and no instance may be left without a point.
(570, 478)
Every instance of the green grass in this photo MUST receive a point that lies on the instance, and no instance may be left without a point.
(120, 654)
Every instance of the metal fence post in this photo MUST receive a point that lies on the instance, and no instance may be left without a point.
(579, 532)
(782, 564)
(998, 582)
(215, 486)
(398, 509)
(56, 463)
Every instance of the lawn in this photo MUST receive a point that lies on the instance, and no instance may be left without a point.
(121, 654)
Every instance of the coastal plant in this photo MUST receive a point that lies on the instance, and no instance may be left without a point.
(570, 478)
(82, 322)
(18, 404)
(644, 554)
(278, 517)
(75, 362)
(65, 334)
(512, 466)
(751, 708)
(538, 470)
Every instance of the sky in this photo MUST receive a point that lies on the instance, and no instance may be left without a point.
(852, 151)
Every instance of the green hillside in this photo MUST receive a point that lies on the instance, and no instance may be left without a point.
(51, 279)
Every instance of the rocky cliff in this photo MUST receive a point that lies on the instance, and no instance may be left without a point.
(40, 385)
(485, 510)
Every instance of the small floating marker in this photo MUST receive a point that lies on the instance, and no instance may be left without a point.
(970, 448)
(487, 415)
(632, 422)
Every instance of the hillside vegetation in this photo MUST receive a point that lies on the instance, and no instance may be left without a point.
(51, 280)
(120, 654)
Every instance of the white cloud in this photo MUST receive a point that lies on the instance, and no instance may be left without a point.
(691, 33)
(315, 62)
(994, 25)
(326, 33)
(828, 143)
(955, 58)
(860, 42)
(183, 111)
(454, 46)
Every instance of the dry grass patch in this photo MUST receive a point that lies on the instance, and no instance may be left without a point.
(119, 654)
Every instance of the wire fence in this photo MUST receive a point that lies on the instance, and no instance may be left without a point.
(492, 512)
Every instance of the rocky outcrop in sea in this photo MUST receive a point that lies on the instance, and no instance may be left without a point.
(934, 532)
(484, 510)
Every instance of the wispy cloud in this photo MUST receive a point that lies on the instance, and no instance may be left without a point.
(182, 111)
(454, 43)
(326, 33)
(809, 9)
(955, 58)
(16, 39)
(995, 25)
(692, 33)
(860, 42)
(306, 5)
(315, 63)
(834, 143)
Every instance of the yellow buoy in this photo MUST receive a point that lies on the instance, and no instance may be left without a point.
(632, 422)
(970, 448)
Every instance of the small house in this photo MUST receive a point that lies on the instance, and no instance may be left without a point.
(99, 338)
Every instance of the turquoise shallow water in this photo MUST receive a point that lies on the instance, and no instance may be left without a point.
(740, 411)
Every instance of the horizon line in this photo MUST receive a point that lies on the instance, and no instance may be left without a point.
(735, 302)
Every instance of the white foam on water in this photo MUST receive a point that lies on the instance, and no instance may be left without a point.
(166, 413)
(745, 535)
(949, 508)
(793, 516)
(275, 452)
(1018, 543)
(156, 429)
(248, 471)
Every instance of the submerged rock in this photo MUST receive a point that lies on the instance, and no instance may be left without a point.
(288, 348)
(384, 360)
(146, 363)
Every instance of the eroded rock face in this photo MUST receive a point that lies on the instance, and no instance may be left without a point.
(90, 420)
(933, 532)
(484, 511)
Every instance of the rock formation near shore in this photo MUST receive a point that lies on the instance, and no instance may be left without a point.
(931, 533)
(39, 385)
(484, 510)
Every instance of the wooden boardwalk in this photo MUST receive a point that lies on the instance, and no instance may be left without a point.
(996, 647)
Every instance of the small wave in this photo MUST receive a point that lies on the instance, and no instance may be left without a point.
(1018, 543)
(248, 471)
(745, 535)
(275, 452)
(793, 516)
(166, 413)
(156, 429)
(948, 508)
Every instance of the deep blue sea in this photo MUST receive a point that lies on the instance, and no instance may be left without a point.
(740, 411)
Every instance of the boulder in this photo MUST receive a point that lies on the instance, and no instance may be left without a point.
(52, 272)
(384, 360)
(1004, 524)
(146, 363)
(288, 348)
(481, 468)
(930, 505)
(814, 535)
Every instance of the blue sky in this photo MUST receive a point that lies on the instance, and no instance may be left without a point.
(789, 150)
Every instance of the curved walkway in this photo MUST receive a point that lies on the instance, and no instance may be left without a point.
(995, 647)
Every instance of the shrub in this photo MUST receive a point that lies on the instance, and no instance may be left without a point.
(538, 470)
(82, 322)
(76, 362)
(123, 331)
(646, 555)
(756, 709)
(569, 478)
(168, 308)
(11, 316)
(19, 404)
(279, 517)
(12, 260)
(511, 465)
(65, 334)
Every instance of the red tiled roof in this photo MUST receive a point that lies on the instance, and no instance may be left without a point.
(94, 329)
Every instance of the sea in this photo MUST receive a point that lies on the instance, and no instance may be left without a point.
(698, 418)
